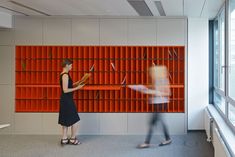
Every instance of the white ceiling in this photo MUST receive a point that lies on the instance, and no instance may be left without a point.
(190, 8)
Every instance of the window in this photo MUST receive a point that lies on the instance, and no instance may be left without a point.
(231, 64)
(219, 61)
(216, 54)
(231, 69)
(231, 114)
(224, 63)
(219, 101)
(222, 50)
(219, 51)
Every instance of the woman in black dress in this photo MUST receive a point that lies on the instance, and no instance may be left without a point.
(68, 116)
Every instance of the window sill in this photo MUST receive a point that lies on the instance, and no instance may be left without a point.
(225, 131)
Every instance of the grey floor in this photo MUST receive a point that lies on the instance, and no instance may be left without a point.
(193, 144)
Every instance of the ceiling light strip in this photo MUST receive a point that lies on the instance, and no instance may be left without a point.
(30, 8)
(14, 10)
(140, 7)
(160, 8)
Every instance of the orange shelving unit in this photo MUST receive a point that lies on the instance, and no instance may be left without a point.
(115, 67)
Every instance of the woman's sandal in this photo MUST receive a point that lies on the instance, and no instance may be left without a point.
(74, 141)
(64, 141)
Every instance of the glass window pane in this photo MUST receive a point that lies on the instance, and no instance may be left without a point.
(232, 51)
(216, 53)
(219, 101)
(231, 114)
(222, 50)
(219, 51)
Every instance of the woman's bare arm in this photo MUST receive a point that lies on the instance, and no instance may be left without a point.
(65, 82)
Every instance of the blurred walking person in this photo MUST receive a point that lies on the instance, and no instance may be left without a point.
(160, 92)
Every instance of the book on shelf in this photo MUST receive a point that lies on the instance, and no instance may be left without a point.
(92, 68)
(97, 95)
(124, 81)
(170, 53)
(113, 66)
(175, 52)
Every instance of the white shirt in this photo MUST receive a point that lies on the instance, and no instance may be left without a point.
(161, 89)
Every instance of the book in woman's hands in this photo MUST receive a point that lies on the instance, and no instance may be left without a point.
(83, 80)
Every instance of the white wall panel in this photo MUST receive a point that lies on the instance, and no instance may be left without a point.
(113, 31)
(138, 123)
(57, 31)
(28, 31)
(142, 31)
(28, 123)
(6, 37)
(113, 123)
(171, 31)
(5, 20)
(6, 64)
(50, 124)
(89, 123)
(85, 31)
(6, 108)
(198, 65)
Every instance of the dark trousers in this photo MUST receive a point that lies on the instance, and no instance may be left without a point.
(156, 118)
